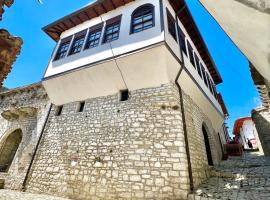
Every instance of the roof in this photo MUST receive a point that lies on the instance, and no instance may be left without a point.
(100, 7)
(86, 13)
(238, 124)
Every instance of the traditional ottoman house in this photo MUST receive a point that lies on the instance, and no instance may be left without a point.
(133, 111)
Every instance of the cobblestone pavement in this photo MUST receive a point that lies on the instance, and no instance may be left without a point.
(16, 195)
(246, 178)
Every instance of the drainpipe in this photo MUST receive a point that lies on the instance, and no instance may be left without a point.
(182, 107)
(35, 151)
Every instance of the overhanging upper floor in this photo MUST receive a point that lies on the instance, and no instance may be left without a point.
(102, 10)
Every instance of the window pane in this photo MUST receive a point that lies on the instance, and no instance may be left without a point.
(148, 17)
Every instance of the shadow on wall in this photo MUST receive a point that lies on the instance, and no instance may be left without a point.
(207, 146)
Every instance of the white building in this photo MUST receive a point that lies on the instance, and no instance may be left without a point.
(244, 129)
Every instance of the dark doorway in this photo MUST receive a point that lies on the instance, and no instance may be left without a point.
(9, 148)
(207, 147)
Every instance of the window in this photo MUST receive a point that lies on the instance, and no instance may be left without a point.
(204, 76)
(93, 39)
(63, 48)
(94, 36)
(81, 106)
(124, 95)
(209, 83)
(112, 29)
(182, 41)
(198, 65)
(142, 18)
(171, 25)
(190, 53)
(58, 110)
(215, 90)
(77, 45)
(78, 42)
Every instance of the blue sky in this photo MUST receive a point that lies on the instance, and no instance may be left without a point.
(26, 18)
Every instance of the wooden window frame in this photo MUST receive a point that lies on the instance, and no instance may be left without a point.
(64, 42)
(94, 30)
(110, 23)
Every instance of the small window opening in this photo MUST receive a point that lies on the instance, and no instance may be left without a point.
(124, 95)
(171, 25)
(81, 106)
(191, 56)
(59, 111)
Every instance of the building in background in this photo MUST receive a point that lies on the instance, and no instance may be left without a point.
(132, 109)
(244, 129)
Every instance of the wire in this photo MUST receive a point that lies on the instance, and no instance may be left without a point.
(115, 59)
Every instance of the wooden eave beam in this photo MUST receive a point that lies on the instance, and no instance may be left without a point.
(113, 5)
(86, 14)
(104, 8)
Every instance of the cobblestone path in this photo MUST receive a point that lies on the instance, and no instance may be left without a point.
(16, 195)
(238, 178)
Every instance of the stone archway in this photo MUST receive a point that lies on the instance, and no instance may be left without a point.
(207, 146)
(9, 148)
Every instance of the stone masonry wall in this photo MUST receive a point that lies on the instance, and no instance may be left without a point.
(118, 150)
(261, 118)
(115, 150)
(13, 102)
(195, 120)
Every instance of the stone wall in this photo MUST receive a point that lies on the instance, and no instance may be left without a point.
(261, 118)
(195, 120)
(21, 109)
(122, 150)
